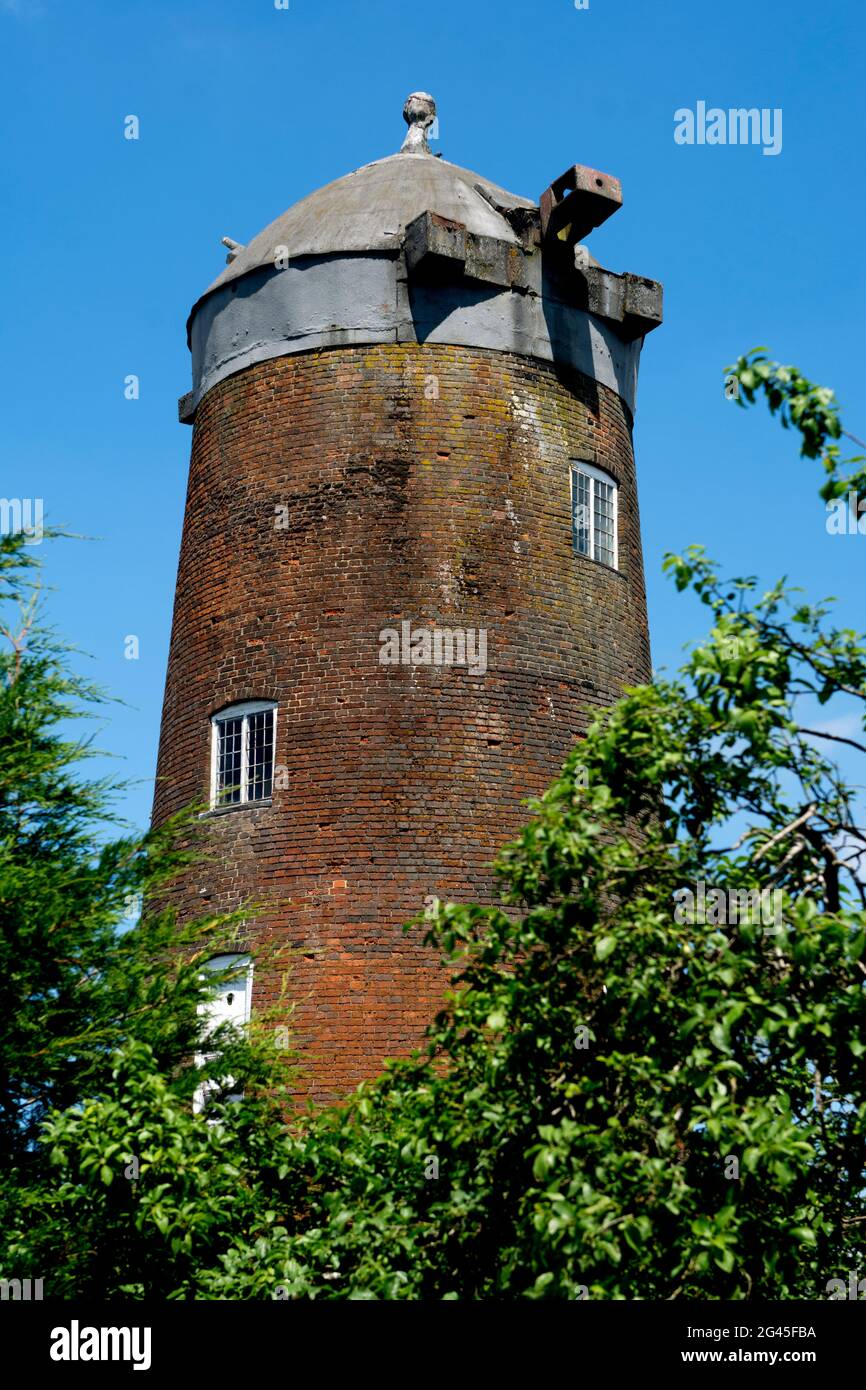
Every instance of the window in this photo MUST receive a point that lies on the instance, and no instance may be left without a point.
(242, 755)
(229, 1002)
(593, 513)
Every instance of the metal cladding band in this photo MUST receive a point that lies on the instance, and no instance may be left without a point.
(340, 300)
(413, 249)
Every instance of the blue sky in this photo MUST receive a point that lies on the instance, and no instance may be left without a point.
(244, 108)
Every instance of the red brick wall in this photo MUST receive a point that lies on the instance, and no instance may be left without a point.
(403, 780)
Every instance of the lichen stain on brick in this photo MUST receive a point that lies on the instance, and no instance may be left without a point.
(403, 781)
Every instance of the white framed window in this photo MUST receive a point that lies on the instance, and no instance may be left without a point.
(229, 1002)
(594, 514)
(242, 753)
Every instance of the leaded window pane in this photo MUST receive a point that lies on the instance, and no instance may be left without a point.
(603, 518)
(243, 754)
(581, 513)
(229, 761)
(261, 755)
(593, 514)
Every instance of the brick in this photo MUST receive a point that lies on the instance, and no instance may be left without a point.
(403, 781)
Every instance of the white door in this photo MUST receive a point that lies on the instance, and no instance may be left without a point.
(229, 1003)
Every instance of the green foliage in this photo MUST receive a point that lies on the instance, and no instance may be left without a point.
(810, 409)
(75, 986)
(624, 1096)
(143, 1193)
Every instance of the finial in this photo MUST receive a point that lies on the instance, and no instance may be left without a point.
(234, 248)
(419, 113)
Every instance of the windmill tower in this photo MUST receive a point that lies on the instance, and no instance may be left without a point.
(410, 568)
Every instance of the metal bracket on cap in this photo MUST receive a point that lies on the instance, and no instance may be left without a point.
(578, 202)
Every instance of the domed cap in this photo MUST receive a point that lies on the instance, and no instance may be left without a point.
(412, 249)
(370, 209)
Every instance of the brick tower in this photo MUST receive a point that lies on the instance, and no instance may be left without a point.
(410, 569)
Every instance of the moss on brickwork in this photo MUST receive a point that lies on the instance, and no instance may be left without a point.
(449, 509)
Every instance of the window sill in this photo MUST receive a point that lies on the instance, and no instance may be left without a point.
(236, 806)
(601, 564)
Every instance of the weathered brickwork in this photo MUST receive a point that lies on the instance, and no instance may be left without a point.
(334, 494)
